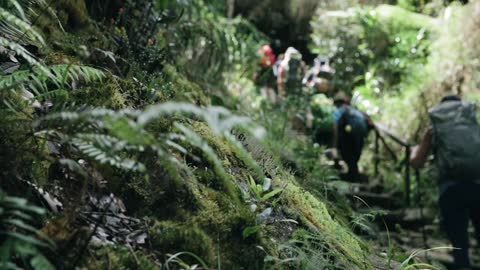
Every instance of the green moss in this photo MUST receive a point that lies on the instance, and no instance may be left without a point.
(225, 221)
(174, 86)
(121, 258)
(72, 12)
(213, 169)
(40, 171)
(20, 152)
(171, 237)
(105, 94)
(58, 58)
(221, 146)
(315, 215)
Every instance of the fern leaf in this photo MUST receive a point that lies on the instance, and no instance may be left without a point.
(24, 53)
(168, 108)
(18, 28)
(73, 166)
(106, 155)
(39, 262)
(195, 140)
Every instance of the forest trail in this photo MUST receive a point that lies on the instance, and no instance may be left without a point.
(401, 228)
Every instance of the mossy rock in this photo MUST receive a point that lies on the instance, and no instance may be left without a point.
(170, 237)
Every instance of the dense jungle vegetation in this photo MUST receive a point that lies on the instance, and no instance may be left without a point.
(132, 135)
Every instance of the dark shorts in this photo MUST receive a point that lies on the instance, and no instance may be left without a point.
(265, 78)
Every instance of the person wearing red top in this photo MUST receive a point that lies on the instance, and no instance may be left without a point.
(267, 56)
(264, 78)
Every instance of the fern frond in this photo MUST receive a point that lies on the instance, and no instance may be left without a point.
(245, 156)
(17, 29)
(129, 131)
(24, 53)
(21, 240)
(169, 108)
(59, 75)
(219, 119)
(97, 149)
(73, 166)
(197, 141)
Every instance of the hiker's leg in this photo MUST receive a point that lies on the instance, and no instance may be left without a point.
(358, 147)
(475, 211)
(347, 150)
(455, 222)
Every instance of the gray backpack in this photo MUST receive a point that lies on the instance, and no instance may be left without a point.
(456, 141)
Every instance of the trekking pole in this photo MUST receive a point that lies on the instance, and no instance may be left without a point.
(418, 199)
(407, 175)
(377, 150)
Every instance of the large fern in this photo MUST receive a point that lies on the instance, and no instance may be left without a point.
(16, 30)
(121, 139)
(20, 241)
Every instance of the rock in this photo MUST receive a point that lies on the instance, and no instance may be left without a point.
(105, 216)
(267, 183)
(265, 215)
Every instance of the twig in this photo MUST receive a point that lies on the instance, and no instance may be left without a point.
(134, 255)
(89, 238)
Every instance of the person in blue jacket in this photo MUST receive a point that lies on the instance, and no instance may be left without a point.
(350, 129)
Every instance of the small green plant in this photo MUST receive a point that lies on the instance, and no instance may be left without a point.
(363, 221)
(175, 260)
(260, 194)
(251, 230)
(408, 264)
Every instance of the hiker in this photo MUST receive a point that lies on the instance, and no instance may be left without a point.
(319, 75)
(265, 78)
(290, 73)
(454, 139)
(350, 129)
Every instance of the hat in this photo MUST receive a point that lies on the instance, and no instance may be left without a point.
(451, 98)
(341, 98)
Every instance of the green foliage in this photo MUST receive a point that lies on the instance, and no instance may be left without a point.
(22, 242)
(121, 258)
(372, 50)
(39, 78)
(207, 39)
(169, 237)
(316, 216)
(176, 260)
(260, 194)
